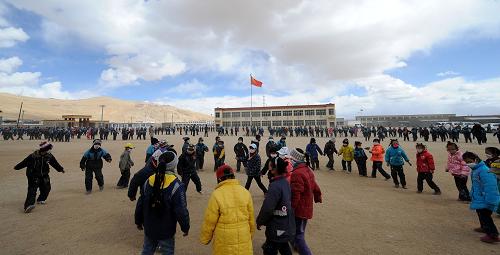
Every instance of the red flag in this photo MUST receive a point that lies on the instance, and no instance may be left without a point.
(255, 82)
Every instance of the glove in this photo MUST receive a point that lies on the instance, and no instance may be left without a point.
(139, 227)
(63, 171)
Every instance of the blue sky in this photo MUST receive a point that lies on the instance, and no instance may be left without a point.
(392, 57)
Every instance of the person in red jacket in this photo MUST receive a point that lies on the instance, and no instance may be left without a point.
(425, 169)
(305, 191)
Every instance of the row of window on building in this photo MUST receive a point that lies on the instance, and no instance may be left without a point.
(319, 112)
(275, 123)
(430, 117)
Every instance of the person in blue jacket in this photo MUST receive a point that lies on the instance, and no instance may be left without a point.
(92, 163)
(395, 158)
(155, 144)
(313, 149)
(484, 195)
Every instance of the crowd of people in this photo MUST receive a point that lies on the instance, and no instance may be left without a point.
(288, 205)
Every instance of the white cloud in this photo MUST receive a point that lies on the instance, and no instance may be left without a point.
(10, 36)
(8, 65)
(193, 88)
(447, 73)
(10, 78)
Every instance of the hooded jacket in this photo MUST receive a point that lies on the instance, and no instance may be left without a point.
(456, 165)
(92, 158)
(377, 153)
(187, 164)
(37, 165)
(312, 149)
(253, 165)
(396, 156)
(125, 161)
(425, 162)
(484, 192)
(305, 191)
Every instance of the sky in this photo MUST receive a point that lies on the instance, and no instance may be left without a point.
(368, 57)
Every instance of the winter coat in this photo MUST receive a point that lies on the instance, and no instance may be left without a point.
(425, 162)
(347, 153)
(37, 165)
(125, 161)
(330, 148)
(305, 191)
(139, 179)
(92, 158)
(161, 223)
(396, 156)
(269, 145)
(253, 165)
(149, 152)
(377, 153)
(229, 220)
(241, 151)
(484, 192)
(276, 212)
(312, 149)
(201, 148)
(359, 154)
(456, 165)
(186, 164)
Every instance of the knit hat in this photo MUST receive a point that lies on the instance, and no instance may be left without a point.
(45, 146)
(170, 159)
(185, 138)
(224, 171)
(297, 155)
(96, 141)
(253, 146)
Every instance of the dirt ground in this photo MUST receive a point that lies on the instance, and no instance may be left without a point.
(358, 215)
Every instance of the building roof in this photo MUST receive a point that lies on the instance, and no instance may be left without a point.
(276, 107)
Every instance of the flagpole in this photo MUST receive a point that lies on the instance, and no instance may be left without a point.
(251, 102)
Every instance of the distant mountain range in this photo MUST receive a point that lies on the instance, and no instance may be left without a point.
(115, 110)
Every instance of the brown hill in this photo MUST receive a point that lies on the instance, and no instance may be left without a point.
(116, 110)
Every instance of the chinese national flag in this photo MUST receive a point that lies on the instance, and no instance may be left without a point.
(255, 82)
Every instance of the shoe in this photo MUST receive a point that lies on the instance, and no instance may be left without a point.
(479, 230)
(88, 192)
(489, 239)
(41, 202)
(373, 177)
(387, 178)
(29, 208)
(437, 192)
(101, 188)
(200, 192)
(404, 187)
(419, 191)
(396, 186)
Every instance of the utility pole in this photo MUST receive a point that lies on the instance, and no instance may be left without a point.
(19, 116)
(22, 117)
(102, 113)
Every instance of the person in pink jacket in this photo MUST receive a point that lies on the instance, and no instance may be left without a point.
(459, 169)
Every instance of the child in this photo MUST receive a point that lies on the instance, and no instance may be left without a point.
(253, 169)
(313, 149)
(241, 151)
(457, 167)
(395, 158)
(276, 212)
(219, 154)
(125, 164)
(493, 162)
(347, 153)
(91, 163)
(161, 206)
(37, 172)
(155, 144)
(360, 158)
(201, 148)
(187, 168)
(329, 150)
(425, 169)
(485, 196)
(377, 158)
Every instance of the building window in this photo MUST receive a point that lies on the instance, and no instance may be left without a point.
(321, 112)
(310, 123)
(266, 123)
(298, 122)
(256, 123)
(331, 111)
(217, 114)
(287, 123)
(245, 114)
(255, 114)
(226, 115)
(287, 113)
(321, 123)
(245, 123)
(276, 123)
(226, 123)
(266, 114)
(276, 113)
(298, 113)
(236, 124)
(309, 113)
(236, 114)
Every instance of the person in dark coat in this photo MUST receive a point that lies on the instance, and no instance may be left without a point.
(37, 172)
(329, 150)
(162, 205)
(253, 169)
(241, 151)
(276, 212)
(201, 148)
(92, 164)
(187, 168)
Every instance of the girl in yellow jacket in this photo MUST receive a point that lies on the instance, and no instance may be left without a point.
(229, 217)
(347, 153)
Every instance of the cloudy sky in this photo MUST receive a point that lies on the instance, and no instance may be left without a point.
(385, 57)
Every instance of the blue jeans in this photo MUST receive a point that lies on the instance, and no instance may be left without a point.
(165, 247)
(300, 241)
